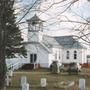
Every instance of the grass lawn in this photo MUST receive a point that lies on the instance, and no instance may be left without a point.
(53, 80)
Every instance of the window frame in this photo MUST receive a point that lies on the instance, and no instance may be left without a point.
(56, 55)
(59, 55)
(67, 54)
(75, 54)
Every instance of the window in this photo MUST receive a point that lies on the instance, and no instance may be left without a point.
(56, 56)
(75, 54)
(33, 58)
(59, 54)
(67, 54)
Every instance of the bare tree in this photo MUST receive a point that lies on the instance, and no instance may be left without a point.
(60, 7)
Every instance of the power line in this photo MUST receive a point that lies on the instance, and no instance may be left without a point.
(27, 11)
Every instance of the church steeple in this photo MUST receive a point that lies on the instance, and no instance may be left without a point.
(35, 23)
(35, 28)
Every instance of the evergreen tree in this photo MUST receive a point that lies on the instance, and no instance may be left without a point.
(14, 38)
(10, 37)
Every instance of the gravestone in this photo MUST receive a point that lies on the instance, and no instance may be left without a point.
(81, 84)
(25, 86)
(58, 69)
(8, 80)
(43, 82)
(23, 80)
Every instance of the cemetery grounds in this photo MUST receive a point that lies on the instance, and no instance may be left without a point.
(53, 80)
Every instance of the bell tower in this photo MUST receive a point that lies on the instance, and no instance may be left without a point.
(35, 29)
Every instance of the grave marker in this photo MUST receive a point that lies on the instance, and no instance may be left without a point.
(8, 80)
(25, 86)
(43, 82)
(23, 80)
(81, 84)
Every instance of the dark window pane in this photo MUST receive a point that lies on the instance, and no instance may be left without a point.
(75, 54)
(67, 55)
(31, 58)
(35, 57)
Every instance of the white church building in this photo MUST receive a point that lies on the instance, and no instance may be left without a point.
(43, 49)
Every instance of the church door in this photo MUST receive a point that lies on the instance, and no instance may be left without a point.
(33, 58)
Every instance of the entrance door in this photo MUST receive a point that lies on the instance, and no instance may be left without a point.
(33, 58)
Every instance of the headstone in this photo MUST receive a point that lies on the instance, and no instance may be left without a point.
(7, 80)
(43, 82)
(81, 84)
(25, 86)
(23, 80)
(58, 69)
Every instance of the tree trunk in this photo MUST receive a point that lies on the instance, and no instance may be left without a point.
(4, 4)
(2, 55)
(2, 60)
(2, 68)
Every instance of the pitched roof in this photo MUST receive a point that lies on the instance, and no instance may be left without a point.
(68, 42)
(50, 41)
(61, 41)
(35, 18)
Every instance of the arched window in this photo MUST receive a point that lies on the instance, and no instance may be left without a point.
(67, 54)
(75, 54)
